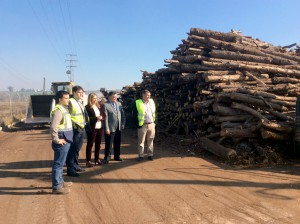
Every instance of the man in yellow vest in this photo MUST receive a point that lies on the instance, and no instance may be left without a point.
(79, 119)
(144, 114)
(62, 136)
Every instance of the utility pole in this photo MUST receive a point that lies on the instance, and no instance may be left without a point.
(70, 70)
(44, 86)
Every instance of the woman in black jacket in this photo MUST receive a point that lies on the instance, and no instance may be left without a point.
(96, 114)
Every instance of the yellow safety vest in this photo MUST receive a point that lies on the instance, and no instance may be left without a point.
(66, 125)
(141, 110)
(77, 115)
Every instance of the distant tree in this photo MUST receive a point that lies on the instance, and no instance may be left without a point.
(10, 89)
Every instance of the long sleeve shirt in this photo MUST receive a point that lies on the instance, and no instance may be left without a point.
(55, 122)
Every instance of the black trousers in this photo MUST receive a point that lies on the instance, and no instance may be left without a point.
(72, 160)
(113, 144)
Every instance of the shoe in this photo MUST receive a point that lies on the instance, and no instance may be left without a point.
(150, 157)
(99, 162)
(80, 169)
(61, 191)
(118, 159)
(140, 159)
(105, 161)
(67, 184)
(89, 164)
(73, 174)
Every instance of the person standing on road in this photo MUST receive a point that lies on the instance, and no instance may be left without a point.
(96, 117)
(62, 136)
(79, 119)
(144, 114)
(114, 124)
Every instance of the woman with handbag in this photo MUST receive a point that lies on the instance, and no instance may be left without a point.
(97, 116)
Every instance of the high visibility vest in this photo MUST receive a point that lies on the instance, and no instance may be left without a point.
(141, 110)
(77, 115)
(65, 129)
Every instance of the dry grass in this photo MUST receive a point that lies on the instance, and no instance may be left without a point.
(12, 113)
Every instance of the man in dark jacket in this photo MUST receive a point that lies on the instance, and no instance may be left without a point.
(113, 125)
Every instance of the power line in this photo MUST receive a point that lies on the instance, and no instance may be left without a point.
(56, 35)
(14, 73)
(71, 25)
(43, 29)
(65, 26)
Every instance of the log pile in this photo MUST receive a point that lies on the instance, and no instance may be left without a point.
(128, 95)
(227, 86)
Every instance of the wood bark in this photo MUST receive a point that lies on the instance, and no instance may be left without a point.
(245, 98)
(249, 110)
(269, 134)
(230, 55)
(239, 133)
(217, 149)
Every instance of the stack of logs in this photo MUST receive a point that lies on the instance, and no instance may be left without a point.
(129, 95)
(219, 86)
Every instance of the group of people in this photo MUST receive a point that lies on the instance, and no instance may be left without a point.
(71, 121)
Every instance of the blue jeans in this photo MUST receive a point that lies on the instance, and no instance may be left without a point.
(60, 155)
(73, 154)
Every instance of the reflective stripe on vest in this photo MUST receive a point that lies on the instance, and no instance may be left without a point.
(141, 110)
(76, 113)
(67, 123)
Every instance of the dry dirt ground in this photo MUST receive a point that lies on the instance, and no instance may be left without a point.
(173, 188)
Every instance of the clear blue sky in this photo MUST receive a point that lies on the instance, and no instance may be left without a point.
(115, 39)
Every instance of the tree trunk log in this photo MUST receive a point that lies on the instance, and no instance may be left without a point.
(239, 133)
(276, 127)
(220, 119)
(224, 78)
(245, 98)
(249, 110)
(225, 111)
(217, 149)
(230, 55)
(269, 134)
(256, 79)
(257, 68)
(267, 95)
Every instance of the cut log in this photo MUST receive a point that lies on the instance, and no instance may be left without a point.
(239, 133)
(245, 66)
(256, 79)
(230, 37)
(225, 111)
(220, 119)
(245, 98)
(276, 80)
(269, 134)
(217, 149)
(249, 110)
(266, 95)
(230, 55)
(224, 78)
(276, 127)
(199, 105)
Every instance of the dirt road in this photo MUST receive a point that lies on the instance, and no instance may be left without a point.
(171, 189)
